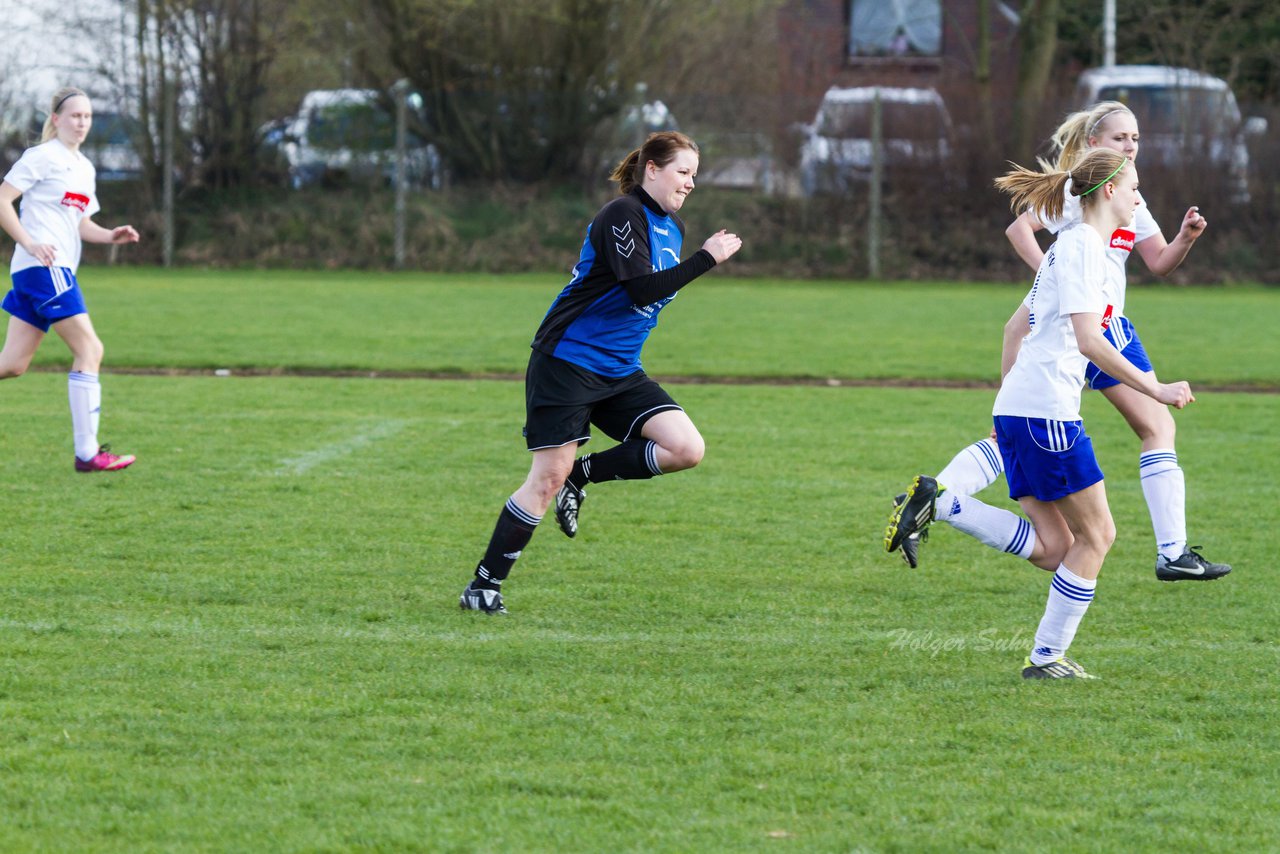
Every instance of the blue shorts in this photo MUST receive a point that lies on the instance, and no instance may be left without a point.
(44, 295)
(1045, 459)
(1122, 334)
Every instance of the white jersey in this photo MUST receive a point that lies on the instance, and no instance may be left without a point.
(1074, 277)
(59, 189)
(1122, 240)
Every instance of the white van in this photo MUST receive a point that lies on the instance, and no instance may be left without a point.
(837, 148)
(1184, 116)
(346, 134)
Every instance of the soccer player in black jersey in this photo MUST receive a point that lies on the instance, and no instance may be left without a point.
(585, 366)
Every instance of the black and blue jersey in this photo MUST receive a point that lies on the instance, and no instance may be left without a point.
(628, 270)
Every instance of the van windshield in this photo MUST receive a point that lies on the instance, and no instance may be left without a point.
(359, 127)
(1169, 110)
(852, 120)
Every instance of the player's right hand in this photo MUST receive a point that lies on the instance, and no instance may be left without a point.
(43, 252)
(1176, 394)
(722, 245)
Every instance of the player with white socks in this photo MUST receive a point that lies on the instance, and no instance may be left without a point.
(57, 185)
(1109, 125)
(1047, 456)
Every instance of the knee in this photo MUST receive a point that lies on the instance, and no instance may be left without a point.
(1100, 536)
(547, 483)
(91, 354)
(686, 453)
(1158, 426)
(9, 370)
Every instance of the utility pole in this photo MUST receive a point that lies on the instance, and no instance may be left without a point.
(1108, 32)
(401, 91)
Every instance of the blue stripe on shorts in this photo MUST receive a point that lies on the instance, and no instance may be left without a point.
(1125, 338)
(1045, 459)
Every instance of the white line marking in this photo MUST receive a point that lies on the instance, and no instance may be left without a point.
(303, 463)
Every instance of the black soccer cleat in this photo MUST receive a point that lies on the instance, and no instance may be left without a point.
(483, 600)
(1189, 566)
(913, 515)
(910, 545)
(568, 502)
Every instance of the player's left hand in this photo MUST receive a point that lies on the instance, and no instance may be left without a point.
(1193, 223)
(124, 234)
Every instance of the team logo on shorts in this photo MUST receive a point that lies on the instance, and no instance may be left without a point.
(79, 201)
(1123, 239)
(1106, 317)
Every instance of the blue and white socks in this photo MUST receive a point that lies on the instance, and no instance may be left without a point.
(1165, 489)
(1069, 598)
(85, 395)
(973, 469)
(996, 527)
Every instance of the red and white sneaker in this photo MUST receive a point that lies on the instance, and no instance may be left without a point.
(104, 460)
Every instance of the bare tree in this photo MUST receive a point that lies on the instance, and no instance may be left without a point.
(513, 91)
(1038, 42)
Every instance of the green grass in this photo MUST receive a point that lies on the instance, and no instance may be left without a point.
(250, 640)
(718, 326)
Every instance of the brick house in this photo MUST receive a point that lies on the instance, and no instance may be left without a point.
(925, 43)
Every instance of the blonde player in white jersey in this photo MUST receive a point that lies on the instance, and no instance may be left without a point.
(1048, 458)
(57, 185)
(1110, 125)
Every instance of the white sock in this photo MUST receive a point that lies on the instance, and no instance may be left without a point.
(973, 469)
(1069, 598)
(1165, 489)
(994, 526)
(85, 396)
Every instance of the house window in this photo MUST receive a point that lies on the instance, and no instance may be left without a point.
(889, 28)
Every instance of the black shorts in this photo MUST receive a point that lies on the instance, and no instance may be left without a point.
(562, 400)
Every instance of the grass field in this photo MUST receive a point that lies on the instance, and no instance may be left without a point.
(250, 640)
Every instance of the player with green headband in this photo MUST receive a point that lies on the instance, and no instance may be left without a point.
(1047, 456)
(1108, 125)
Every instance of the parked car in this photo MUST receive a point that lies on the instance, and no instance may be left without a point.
(1185, 116)
(346, 134)
(112, 146)
(837, 148)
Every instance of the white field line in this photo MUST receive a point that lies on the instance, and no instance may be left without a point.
(303, 463)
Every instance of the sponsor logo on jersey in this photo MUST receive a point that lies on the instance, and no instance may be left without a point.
(1106, 316)
(1123, 239)
(79, 201)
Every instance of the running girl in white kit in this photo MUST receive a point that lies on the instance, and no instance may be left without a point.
(1047, 456)
(57, 185)
(1111, 125)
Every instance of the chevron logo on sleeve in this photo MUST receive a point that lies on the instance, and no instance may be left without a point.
(624, 249)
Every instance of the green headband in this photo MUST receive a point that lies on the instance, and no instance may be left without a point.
(1106, 179)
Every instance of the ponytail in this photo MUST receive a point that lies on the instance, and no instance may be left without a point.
(660, 148)
(1045, 192)
(1071, 139)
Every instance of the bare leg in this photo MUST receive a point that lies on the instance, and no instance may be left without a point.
(680, 445)
(20, 344)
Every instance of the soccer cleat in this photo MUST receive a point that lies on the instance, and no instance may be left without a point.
(910, 545)
(1189, 566)
(1062, 668)
(486, 601)
(104, 460)
(568, 502)
(913, 515)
